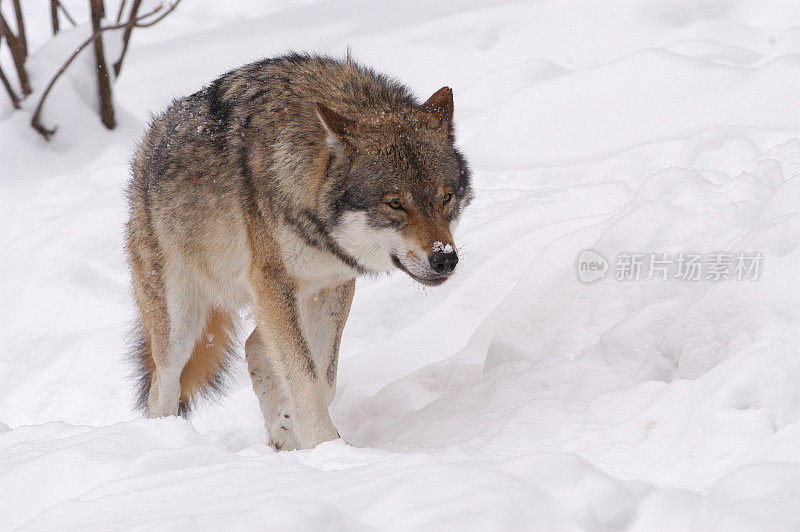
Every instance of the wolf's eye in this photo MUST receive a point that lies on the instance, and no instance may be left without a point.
(395, 204)
(447, 198)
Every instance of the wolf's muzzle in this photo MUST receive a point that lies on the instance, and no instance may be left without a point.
(443, 262)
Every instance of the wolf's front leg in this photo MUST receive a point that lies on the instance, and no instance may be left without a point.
(278, 323)
(271, 395)
(323, 316)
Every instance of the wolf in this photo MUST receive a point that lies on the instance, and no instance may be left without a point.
(270, 191)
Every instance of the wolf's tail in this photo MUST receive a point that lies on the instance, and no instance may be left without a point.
(204, 374)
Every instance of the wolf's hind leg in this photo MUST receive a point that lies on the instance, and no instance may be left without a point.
(271, 396)
(187, 315)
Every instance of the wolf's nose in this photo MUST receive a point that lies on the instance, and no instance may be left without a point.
(443, 262)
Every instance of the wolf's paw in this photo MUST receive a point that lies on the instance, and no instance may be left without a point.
(281, 434)
(320, 432)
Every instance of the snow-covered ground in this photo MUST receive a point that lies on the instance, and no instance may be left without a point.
(513, 397)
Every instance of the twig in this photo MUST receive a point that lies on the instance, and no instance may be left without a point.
(9, 89)
(35, 120)
(54, 15)
(159, 18)
(23, 39)
(104, 95)
(4, 80)
(120, 10)
(17, 54)
(126, 37)
(55, 6)
(66, 13)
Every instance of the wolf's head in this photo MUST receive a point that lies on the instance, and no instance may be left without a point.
(395, 187)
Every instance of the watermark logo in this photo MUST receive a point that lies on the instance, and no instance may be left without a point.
(629, 266)
(592, 266)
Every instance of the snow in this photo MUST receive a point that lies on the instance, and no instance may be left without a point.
(517, 395)
(442, 248)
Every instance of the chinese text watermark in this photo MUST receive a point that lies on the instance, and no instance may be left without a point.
(630, 266)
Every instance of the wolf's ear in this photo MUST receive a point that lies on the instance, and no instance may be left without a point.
(336, 126)
(441, 103)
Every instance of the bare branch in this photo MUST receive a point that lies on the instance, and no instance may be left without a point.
(17, 54)
(55, 6)
(159, 18)
(120, 11)
(23, 39)
(9, 89)
(126, 37)
(140, 23)
(66, 13)
(54, 16)
(101, 69)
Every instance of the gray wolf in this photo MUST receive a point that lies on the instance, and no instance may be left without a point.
(271, 190)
